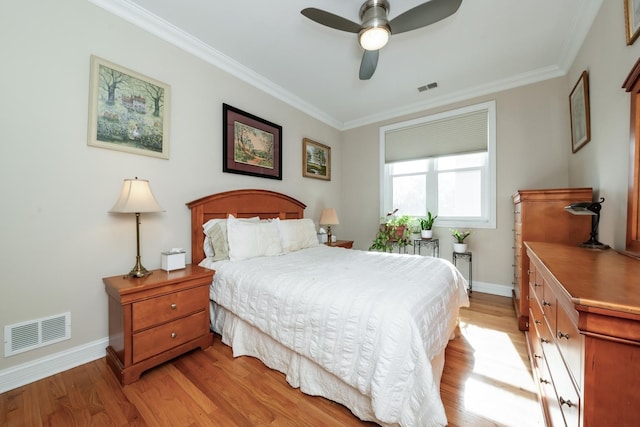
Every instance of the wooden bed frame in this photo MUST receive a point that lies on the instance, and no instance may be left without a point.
(241, 204)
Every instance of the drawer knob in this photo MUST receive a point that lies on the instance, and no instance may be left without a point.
(563, 335)
(543, 381)
(537, 356)
(566, 402)
(546, 303)
(174, 306)
(173, 335)
(544, 341)
(537, 322)
(536, 284)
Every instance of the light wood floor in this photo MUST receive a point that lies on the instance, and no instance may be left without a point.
(486, 382)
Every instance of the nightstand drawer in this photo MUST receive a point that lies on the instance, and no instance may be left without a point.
(164, 308)
(157, 340)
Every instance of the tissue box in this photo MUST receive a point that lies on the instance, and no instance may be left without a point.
(173, 260)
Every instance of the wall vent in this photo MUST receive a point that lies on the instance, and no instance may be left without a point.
(25, 336)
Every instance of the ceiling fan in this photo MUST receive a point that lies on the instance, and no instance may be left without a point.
(375, 29)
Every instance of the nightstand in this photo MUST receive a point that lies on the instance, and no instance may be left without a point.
(341, 244)
(156, 318)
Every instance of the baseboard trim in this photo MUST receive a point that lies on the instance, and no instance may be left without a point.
(44, 367)
(493, 289)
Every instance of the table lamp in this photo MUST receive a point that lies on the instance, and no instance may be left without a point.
(593, 209)
(329, 217)
(136, 197)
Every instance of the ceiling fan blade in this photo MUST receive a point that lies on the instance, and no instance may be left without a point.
(330, 20)
(368, 64)
(423, 15)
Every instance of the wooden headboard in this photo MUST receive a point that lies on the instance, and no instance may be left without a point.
(240, 204)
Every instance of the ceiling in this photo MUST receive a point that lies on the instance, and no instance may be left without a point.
(486, 46)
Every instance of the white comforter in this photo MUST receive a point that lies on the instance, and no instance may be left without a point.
(374, 320)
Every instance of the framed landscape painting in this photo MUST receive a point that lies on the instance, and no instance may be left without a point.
(250, 145)
(580, 114)
(128, 111)
(632, 20)
(316, 160)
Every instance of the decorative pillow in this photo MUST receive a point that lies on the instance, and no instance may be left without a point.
(297, 234)
(253, 239)
(216, 232)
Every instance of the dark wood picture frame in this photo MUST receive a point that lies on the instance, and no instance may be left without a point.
(632, 20)
(580, 113)
(316, 160)
(250, 145)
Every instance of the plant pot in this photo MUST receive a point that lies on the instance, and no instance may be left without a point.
(460, 247)
(426, 234)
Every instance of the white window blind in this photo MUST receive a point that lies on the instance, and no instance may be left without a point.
(465, 133)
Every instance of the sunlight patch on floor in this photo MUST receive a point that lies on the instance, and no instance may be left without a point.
(500, 378)
(496, 399)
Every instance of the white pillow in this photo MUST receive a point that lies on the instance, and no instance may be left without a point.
(297, 234)
(253, 239)
(215, 244)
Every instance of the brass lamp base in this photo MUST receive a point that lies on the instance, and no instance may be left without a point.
(138, 270)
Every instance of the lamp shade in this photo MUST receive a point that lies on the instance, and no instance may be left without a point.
(136, 197)
(329, 217)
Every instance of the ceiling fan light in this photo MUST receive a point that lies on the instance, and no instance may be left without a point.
(374, 38)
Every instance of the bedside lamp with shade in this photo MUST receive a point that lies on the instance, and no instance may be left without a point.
(136, 197)
(329, 217)
(593, 209)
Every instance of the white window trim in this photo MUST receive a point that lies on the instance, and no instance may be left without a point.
(490, 107)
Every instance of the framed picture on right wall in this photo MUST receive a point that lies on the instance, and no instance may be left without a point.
(580, 116)
(632, 20)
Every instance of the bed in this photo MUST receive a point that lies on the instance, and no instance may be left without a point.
(364, 329)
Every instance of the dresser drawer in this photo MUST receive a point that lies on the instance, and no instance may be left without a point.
(569, 341)
(161, 338)
(164, 308)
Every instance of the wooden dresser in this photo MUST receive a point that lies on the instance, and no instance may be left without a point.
(156, 318)
(584, 340)
(539, 216)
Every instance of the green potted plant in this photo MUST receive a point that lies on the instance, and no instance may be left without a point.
(426, 225)
(459, 245)
(394, 230)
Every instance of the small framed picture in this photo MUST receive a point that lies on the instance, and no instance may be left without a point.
(128, 111)
(250, 145)
(316, 160)
(632, 20)
(580, 116)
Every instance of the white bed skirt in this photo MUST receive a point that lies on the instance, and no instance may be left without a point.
(300, 372)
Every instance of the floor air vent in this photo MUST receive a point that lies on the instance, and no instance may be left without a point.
(37, 333)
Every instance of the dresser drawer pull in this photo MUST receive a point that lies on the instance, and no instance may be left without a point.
(537, 322)
(566, 402)
(546, 303)
(536, 284)
(173, 335)
(536, 356)
(543, 381)
(563, 335)
(174, 306)
(544, 341)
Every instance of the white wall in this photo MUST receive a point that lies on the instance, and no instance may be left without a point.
(604, 162)
(532, 152)
(58, 240)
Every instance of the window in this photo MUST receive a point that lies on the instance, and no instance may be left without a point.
(444, 164)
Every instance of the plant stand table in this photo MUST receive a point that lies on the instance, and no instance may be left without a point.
(434, 244)
(466, 255)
